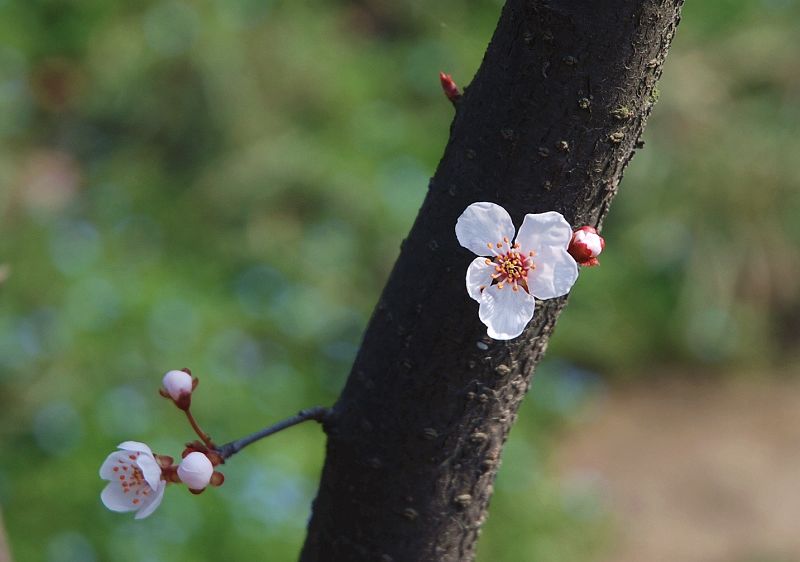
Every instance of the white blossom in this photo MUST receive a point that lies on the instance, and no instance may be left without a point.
(508, 275)
(134, 477)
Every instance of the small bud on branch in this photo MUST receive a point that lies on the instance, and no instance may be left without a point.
(195, 471)
(586, 245)
(449, 87)
(178, 385)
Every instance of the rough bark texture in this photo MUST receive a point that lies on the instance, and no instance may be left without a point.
(549, 122)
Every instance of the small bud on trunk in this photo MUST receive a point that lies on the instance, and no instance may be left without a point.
(586, 245)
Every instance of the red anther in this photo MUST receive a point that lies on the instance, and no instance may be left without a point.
(449, 87)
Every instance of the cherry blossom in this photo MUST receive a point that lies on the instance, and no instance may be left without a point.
(508, 275)
(135, 482)
(586, 245)
(195, 471)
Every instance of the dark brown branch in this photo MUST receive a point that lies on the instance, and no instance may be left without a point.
(549, 123)
(317, 413)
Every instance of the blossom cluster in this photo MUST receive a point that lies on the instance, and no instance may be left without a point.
(137, 477)
(513, 269)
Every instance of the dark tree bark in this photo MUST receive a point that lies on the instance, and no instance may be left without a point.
(549, 123)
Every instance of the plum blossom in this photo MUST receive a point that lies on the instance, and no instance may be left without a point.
(195, 471)
(135, 482)
(507, 276)
(586, 245)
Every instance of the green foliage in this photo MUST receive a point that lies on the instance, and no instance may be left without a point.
(224, 185)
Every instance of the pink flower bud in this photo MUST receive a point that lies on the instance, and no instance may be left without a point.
(449, 86)
(178, 384)
(195, 471)
(586, 245)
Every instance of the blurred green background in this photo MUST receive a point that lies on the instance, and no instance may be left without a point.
(224, 184)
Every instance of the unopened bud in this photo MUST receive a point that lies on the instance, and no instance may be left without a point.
(586, 245)
(195, 471)
(449, 86)
(177, 384)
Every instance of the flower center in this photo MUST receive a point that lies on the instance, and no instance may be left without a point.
(511, 266)
(132, 479)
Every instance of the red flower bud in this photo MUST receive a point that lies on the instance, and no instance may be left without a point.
(586, 245)
(449, 86)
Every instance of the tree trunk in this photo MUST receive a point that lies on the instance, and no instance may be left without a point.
(549, 123)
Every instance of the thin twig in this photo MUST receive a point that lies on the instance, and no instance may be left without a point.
(317, 413)
(204, 437)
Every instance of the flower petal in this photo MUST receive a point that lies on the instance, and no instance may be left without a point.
(556, 271)
(481, 223)
(591, 241)
(115, 499)
(135, 446)
(150, 504)
(150, 470)
(112, 460)
(479, 274)
(505, 312)
(543, 230)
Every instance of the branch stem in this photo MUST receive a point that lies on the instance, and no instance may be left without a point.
(204, 437)
(317, 413)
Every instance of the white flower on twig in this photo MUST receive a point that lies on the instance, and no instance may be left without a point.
(134, 477)
(509, 275)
